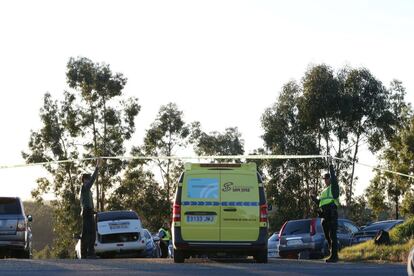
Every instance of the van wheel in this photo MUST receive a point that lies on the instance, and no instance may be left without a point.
(178, 256)
(261, 256)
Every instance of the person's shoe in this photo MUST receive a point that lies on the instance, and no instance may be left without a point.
(332, 259)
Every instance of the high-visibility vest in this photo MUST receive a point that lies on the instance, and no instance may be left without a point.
(326, 197)
(167, 235)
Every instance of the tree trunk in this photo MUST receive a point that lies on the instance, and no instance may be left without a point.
(396, 207)
(95, 144)
(349, 195)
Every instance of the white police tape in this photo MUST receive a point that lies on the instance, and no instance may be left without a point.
(203, 157)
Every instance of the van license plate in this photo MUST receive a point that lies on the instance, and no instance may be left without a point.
(202, 219)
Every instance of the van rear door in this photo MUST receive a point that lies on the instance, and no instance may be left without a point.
(239, 205)
(200, 206)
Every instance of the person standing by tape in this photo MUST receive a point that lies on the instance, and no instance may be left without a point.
(328, 202)
(87, 212)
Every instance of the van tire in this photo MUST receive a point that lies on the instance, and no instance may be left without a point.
(261, 257)
(178, 256)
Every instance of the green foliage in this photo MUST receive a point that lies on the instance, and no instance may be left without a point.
(368, 251)
(140, 192)
(167, 135)
(407, 208)
(43, 254)
(216, 143)
(376, 193)
(328, 113)
(403, 232)
(358, 211)
(91, 120)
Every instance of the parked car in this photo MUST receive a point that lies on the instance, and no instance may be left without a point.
(15, 231)
(369, 232)
(152, 249)
(410, 263)
(306, 237)
(118, 233)
(273, 246)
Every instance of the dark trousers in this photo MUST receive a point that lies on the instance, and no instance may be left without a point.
(164, 248)
(88, 234)
(330, 226)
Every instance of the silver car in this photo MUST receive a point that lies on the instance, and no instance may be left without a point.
(273, 246)
(15, 231)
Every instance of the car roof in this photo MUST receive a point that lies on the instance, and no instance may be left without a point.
(387, 221)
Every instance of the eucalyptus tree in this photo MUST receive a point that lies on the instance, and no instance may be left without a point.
(290, 182)
(92, 119)
(167, 135)
(215, 143)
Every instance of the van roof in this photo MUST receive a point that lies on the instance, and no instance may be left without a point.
(206, 166)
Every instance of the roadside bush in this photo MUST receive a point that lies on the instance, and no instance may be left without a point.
(403, 232)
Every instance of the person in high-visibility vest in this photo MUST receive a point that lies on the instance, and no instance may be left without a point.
(328, 202)
(165, 237)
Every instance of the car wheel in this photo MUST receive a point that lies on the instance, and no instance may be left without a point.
(179, 256)
(261, 256)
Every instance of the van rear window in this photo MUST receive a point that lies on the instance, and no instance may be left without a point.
(9, 205)
(203, 188)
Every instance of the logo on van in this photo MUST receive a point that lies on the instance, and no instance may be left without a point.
(229, 186)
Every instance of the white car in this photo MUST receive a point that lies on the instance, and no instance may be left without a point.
(118, 233)
(273, 246)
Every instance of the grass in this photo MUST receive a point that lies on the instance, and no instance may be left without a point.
(401, 243)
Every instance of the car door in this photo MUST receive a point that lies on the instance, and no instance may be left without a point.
(200, 206)
(239, 206)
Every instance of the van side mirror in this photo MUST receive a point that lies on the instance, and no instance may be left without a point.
(269, 207)
(29, 218)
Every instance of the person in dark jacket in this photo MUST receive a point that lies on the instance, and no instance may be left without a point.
(328, 202)
(87, 212)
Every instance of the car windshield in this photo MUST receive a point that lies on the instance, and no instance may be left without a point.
(9, 205)
(294, 227)
(116, 215)
(380, 226)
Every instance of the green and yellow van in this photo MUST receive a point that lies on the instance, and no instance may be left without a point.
(219, 210)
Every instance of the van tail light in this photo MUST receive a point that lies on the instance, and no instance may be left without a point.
(282, 229)
(313, 227)
(21, 225)
(176, 212)
(263, 213)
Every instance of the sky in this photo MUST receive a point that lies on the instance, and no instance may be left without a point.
(222, 62)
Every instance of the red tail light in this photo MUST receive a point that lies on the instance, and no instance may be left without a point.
(21, 225)
(176, 212)
(313, 227)
(282, 229)
(263, 213)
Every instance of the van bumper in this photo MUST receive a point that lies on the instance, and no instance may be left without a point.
(220, 246)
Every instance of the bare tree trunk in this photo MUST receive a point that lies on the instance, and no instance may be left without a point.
(95, 144)
(349, 195)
